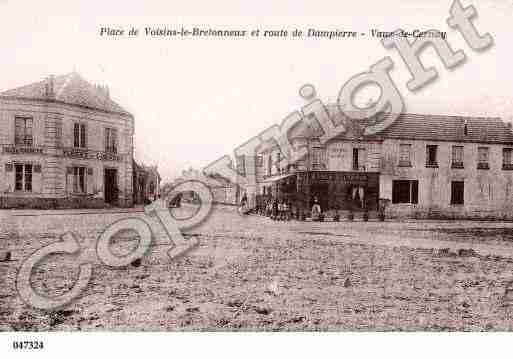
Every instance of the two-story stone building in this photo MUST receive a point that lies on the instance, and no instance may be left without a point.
(64, 142)
(425, 165)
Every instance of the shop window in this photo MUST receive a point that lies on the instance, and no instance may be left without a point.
(457, 192)
(405, 155)
(507, 158)
(457, 157)
(23, 131)
(431, 156)
(23, 177)
(483, 158)
(404, 191)
(79, 179)
(111, 140)
(79, 135)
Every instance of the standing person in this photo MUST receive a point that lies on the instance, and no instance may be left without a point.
(316, 210)
(286, 210)
(243, 204)
(275, 209)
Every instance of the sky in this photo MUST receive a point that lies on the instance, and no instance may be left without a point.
(195, 100)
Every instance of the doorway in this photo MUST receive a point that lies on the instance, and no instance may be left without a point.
(321, 192)
(111, 185)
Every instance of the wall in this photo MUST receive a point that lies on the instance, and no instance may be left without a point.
(487, 193)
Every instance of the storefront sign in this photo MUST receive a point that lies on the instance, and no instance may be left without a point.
(87, 155)
(12, 149)
(103, 156)
(74, 153)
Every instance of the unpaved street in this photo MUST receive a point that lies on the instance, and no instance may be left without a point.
(252, 273)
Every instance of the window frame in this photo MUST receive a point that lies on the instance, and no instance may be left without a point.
(27, 140)
(506, 165)
(413, 192)
(454, 162)
(111, 140)
(77, 182)
(482, 165)
(402, 161)
(27, 186)
(81, 140)
(429, 163)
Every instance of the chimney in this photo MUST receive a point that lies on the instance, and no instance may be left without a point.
(103, 90)
(49, 87)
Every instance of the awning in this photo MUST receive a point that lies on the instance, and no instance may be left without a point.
(278, 178)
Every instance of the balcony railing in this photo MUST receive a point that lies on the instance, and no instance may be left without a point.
(457, 165)
(483, 166)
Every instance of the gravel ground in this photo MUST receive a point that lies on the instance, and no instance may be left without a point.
(251, 273)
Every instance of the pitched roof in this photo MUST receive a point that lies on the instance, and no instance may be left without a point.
(71, 89)
(449, 128)
(415, 127)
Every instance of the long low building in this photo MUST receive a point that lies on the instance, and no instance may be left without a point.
(424, 166)
(64, 142)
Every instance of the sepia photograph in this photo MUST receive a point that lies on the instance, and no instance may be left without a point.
(324, 171)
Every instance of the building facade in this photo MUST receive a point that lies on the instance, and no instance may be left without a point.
(222, 190)
(146, 183)
(64, 142)
(422, 166)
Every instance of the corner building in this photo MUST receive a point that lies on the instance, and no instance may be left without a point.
(64, 143)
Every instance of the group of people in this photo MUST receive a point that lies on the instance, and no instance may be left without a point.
(278, 210)
(283, 210)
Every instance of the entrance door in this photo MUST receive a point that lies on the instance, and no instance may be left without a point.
(321, 192)
(111, 185)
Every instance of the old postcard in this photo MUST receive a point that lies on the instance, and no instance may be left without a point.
(255, 166)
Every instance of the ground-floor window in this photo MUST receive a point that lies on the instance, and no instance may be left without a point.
(79, 179)
(405, 191)
(457, 192)
(23, 177)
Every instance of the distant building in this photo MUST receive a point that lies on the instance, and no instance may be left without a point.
(424, 165)
(223, 191)
(64, 142)
(146, 183)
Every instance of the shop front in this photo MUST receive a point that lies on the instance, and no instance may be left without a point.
(333, 190)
